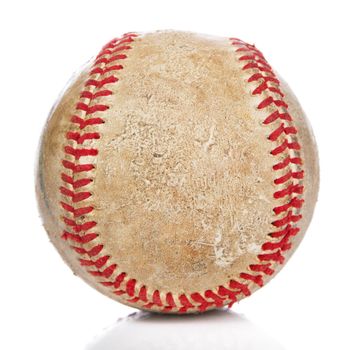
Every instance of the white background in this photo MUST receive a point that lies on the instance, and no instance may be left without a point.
(310, 304)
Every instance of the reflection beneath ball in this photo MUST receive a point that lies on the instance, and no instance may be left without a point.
(220, 329)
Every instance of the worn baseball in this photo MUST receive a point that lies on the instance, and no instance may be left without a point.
(177, 172)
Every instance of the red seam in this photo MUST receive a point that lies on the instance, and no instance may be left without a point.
(262, 74)
(81, 232)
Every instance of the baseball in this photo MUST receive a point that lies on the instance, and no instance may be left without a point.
(177, 172)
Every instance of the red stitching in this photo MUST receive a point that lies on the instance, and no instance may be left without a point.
(288, 229)
(271, 100)
(80, 152)
(264, 268)
(290, 175)
(76, 211)
(156, 299)
(257, 279)
(116, 284)
(186, 304)
(99, 70)
(142, 296)
(83, 123)
(243, 288)
(75, 196)
(170, 301)
(92, 252)
(130, 286)
(80, 138)
(229, 294)
(91, 109)
(106, 273)
(277, 115)
(92, 96)
(289, 218)
(286, 162)
(292, 188)
(293, 203)
(77, 168)
(280, 130)
(263, 75)
(76, 184)
(284, 146)
(100, 83)
(203, 303)
(100, 262)
(85, 226)
(106, 60)
(79, 233)
(78, 238)
(276, 256)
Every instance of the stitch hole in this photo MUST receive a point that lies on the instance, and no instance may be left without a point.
(90, 181)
